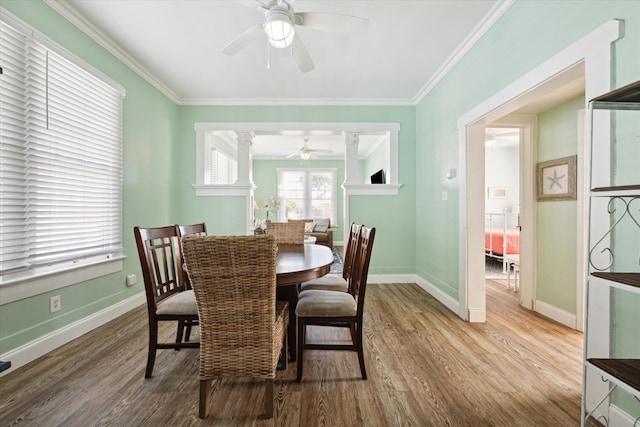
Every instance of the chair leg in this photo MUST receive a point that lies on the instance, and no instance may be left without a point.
(187, 333)
(268, 397)
(360, 348)
(205, 392)
(302, 326)
(151, 356)
(180, 331)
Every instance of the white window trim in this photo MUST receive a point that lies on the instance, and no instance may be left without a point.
(38, 282)
(334, 193)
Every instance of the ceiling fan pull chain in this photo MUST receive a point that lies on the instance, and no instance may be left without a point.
(268, 56)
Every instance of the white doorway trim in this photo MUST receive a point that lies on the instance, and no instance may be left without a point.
(594, 50)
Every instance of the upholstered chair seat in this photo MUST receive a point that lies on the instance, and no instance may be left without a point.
(320, 303)
(180, 303)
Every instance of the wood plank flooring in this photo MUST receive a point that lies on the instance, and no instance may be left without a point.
(426, 367)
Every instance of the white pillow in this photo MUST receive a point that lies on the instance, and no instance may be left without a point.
(308, 227)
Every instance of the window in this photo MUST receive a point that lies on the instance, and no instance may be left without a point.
(307, 193)
(222, 168)
(60, 161)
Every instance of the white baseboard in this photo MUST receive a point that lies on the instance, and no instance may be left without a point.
(554, 313)
(438, 294)
(619, 418)
(391, 278)
(41, 346)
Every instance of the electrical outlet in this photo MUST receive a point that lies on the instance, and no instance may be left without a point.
(55, 303)
(131, 279)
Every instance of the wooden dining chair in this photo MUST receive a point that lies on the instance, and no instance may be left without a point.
(198, 228)
(242, 327)
(287, 232)
(334, 282)
(334, 308)
(167, 296)
(186, 230)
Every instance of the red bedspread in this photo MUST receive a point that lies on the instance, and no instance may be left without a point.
(493, 240)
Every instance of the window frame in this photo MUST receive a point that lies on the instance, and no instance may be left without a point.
(308, 202)
(45, 278)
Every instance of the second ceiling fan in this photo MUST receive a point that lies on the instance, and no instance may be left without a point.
(306, 151)
(279, 28)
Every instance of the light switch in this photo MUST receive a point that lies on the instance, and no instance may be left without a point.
(445, 196)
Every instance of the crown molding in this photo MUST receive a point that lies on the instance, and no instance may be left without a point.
(476, 34)
(70, 14)
(229, 102)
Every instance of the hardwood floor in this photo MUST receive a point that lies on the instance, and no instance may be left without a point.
(426, 367)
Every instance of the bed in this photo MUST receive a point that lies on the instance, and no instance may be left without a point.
(499, 239)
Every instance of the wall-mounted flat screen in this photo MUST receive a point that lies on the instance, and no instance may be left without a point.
(378, 177)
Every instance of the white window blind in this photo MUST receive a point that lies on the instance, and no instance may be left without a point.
(224, 169)
(60, 160)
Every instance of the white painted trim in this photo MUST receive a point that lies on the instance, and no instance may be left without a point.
(41, 346)
(591, 49)
(554, 313)
(36, 285)
(476, 34)
(437, 293)
(371, 189)
(223, 190)
(271, 102)
(619, 418)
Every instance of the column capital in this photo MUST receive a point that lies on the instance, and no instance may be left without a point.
(245, 137)
(351, 138)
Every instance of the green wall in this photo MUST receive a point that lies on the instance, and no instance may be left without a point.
(150, 129)
(511, 48)
(556, 251)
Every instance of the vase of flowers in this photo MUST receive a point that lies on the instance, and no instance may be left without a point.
(271, 205)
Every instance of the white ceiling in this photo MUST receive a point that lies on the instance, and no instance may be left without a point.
(176, 44)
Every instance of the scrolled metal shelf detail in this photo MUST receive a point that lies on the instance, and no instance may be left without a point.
(627, 212)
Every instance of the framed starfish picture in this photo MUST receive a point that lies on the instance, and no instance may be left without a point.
(557, 179)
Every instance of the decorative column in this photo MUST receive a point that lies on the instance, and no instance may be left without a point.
(351, 170)
(245, 173)
(245, 157)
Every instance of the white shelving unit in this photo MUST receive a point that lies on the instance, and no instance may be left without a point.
(614, 252)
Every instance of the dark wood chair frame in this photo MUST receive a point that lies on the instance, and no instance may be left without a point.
(161, 261)
(357, 288)
(199, 229)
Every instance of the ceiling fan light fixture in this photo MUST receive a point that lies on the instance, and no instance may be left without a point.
(305, 155)
(279, 28)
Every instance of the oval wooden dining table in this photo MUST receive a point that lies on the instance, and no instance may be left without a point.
(296, 264)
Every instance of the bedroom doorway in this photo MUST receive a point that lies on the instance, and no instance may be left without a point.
(502, 205)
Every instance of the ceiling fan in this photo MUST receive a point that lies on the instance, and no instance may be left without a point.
(279, 27)
(306, 151)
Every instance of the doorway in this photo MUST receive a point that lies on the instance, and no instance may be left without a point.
(588, 58)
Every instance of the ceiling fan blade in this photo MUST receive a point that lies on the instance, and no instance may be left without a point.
(254, 33)
(320, 150)
(335, 23)
(301, 55)
(292, 155)
(254, 4)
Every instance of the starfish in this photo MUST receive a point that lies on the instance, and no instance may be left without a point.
(555, 179)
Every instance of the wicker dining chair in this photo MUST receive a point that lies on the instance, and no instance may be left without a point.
(333, 308)
(287, 232)
(168, 299)
(334, 282)
(242, 328)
